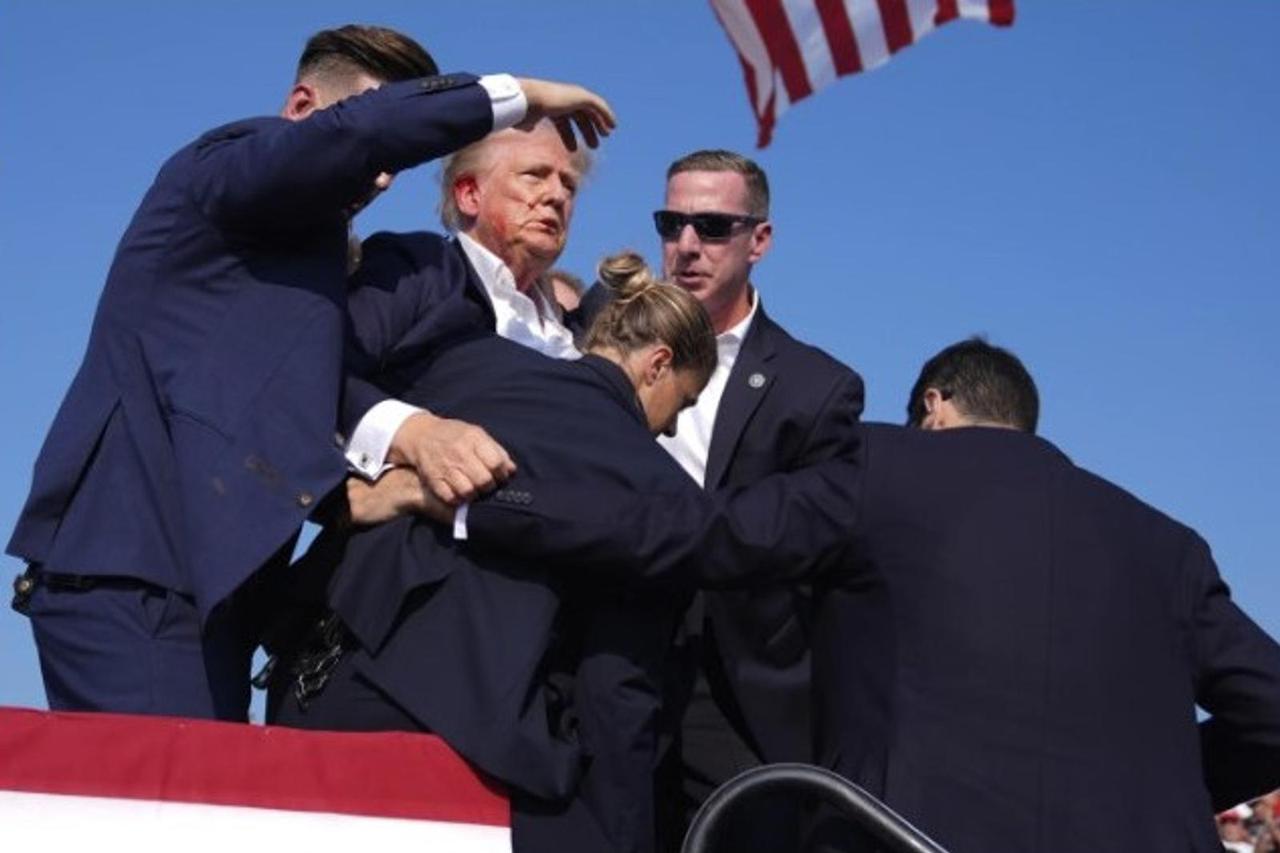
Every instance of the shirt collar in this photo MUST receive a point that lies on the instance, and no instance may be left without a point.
(493, 273)
(729, 342)
(498, 281)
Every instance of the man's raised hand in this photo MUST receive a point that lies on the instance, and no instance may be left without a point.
(567, 104)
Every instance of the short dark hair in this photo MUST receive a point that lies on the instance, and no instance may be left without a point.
(983, 381)
(719, 160)
(380, 52)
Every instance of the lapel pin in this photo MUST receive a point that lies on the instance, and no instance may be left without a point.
(756, 380)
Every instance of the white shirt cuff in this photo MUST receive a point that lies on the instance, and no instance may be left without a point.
(371, 440)
(460, 523)
(507, 98)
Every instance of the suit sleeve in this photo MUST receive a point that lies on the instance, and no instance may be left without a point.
(395, 315)
(289, 173)
(836, 421)
(1238, 684)
(779, 527)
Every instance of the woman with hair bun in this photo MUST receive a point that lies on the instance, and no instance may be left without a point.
(475, 638)
(652, 329)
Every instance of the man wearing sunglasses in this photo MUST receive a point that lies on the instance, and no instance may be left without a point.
(773, 404)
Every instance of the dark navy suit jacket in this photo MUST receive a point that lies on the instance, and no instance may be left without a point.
(414, 295)
(456, 635)
(1013, 657)
(199, 430)
(786, 405)
(803, 413)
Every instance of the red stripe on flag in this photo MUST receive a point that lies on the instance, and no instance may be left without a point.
(840, 38)
(896, 23)
(389, 774)
(1001, 12)
(765, 119)
(771, 21)
(948, 10)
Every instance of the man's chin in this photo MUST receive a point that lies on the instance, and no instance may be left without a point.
(692, 283)
(548, 249)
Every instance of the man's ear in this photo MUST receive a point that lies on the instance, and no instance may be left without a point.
(934, 414)
(466, 195)
(303, 100)
(761, 240)
(657, 362)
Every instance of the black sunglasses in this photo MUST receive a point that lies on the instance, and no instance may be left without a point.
(708, 226)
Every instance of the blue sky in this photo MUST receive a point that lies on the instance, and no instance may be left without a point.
(1096, 188)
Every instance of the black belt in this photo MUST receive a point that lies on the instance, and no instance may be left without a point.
(25, 584)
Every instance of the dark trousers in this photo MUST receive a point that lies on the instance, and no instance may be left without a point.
(706, 753)
(124, 645)
(127, 646)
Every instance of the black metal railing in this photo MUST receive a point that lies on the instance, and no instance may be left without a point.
(897, 835)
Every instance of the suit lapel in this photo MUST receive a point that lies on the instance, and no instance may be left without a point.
(750, 380)
(474, 285)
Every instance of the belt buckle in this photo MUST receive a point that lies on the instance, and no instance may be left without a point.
(24, 584)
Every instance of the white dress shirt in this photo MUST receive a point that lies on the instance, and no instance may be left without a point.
(692, 441)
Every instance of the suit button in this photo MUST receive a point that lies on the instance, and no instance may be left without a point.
(305, 499)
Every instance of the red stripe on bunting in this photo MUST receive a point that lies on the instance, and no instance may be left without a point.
(388, 774)
(775, 30)
(896, 23)
(840, 38)
(948, 10)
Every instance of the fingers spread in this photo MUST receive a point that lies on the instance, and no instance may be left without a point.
(586, 128)
(566, 133)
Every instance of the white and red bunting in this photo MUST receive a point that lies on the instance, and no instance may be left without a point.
(109, 781)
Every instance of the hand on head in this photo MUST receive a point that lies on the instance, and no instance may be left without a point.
(567, 105)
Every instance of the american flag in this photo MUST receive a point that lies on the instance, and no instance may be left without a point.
(792, 48)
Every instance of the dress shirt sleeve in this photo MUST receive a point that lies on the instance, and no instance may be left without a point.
(507, 99)
(371, 439)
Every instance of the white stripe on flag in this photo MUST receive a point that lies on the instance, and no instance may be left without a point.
(868, 29)
(806, 25)
(154, 826)
(921, 13)
(977, 10)
(746, 38)
(784, 100)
